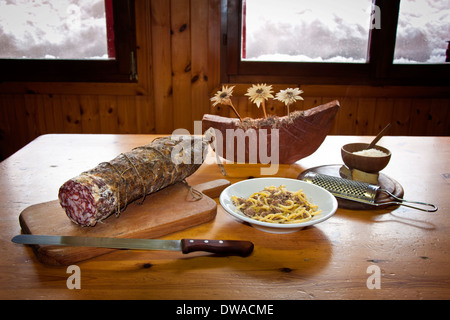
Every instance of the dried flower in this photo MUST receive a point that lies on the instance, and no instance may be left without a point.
(259, 94)
(289, 96)
(224, 97)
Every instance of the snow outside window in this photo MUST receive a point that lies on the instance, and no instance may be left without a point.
(423, 31)
(338, 31)
(62, 29)
(306, 31)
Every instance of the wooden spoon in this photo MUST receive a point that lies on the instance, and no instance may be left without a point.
(378, 137)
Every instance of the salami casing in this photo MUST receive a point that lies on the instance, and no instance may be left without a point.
(108, 188)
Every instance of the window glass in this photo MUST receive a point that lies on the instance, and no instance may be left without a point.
(423, 31)
(62, 29)
(306, 31)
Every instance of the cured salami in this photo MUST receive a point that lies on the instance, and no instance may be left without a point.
(109, 187)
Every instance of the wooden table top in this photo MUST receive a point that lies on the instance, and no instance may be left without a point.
(405, 251)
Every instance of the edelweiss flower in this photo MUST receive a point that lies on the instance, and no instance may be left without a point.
(259, 93)
(289, 96)
(224, 97)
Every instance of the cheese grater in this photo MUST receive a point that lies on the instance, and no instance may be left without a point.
(358, 191)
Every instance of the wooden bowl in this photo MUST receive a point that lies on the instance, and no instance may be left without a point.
(295, 138)
(364, 163)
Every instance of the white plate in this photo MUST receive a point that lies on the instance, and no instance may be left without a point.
(315, 194)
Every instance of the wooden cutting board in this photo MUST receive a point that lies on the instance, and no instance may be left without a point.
(166, 211)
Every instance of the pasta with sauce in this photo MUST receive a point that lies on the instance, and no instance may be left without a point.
(277, 205)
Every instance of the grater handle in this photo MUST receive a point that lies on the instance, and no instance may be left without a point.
(402, 202)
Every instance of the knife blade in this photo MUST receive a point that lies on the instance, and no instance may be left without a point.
(223, 247)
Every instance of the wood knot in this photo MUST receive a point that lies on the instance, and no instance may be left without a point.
(194, 79)
(183, 27)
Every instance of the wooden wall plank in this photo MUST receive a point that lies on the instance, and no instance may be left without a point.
(109, 119)
(17, 114)
(145, 116)
(181, 64)
(365, 116)
(70, 107)
(47, 113)
(213, 47)
(5, 123)
(382, 114)
(254, 111)
(347, 116)
(311, 102)
(144, 47)
(447, 120)
(162, 65)
(126, 114)
(144, 102)
(420, 110)
(199, 68)
(90, 114)
(299, 105)
(57, 118)
(335, 125)
(7, 144)
(242, 106)
(401, 117)
(35, 116)
(436, 124)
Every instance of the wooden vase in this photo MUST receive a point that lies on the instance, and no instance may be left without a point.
(283, 140)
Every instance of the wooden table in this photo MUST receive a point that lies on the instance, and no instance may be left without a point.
(333, 260)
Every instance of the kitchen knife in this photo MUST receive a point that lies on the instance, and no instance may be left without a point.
(223, 247)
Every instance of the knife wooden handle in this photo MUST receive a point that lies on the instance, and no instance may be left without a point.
(225, 247)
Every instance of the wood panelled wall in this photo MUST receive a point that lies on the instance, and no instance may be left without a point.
(364, 110)
(179, 70)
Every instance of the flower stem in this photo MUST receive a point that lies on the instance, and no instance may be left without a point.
(235, 111)
(264, 109)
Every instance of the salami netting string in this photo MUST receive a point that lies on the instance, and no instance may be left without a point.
(144, 191)
(117, 213)
(195, 194)
(210, 136)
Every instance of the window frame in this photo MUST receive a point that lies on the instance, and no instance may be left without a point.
(122, 68)
(379, 69)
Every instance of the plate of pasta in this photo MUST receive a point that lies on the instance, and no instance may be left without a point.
(278, 205)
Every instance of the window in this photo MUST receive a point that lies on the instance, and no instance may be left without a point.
(323, 42)
(69, 40)
(423, 31)
(54, 30)
(305, 31)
